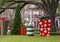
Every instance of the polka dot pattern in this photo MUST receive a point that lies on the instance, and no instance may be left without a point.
(45, 27)
(40, 23)
(41, 29)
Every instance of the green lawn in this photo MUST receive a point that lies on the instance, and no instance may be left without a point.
(36, 38)
(58, 29)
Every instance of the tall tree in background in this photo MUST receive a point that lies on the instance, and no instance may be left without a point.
(17, 22)
(49, 7)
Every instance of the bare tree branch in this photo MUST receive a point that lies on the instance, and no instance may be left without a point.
(7, 7)
(52, 2)
(48, 2)
(23, 5)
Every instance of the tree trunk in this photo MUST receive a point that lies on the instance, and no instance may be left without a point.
(53, 13)
(53, 29)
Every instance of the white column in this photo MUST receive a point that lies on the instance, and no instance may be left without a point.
(58, 23)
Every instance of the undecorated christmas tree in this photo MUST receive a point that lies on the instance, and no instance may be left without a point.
(17, 22)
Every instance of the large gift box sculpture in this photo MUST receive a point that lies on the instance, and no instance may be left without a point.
(22, 30)
(45, 24)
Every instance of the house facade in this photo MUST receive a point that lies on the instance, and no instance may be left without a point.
(58, 22)
(32, 12)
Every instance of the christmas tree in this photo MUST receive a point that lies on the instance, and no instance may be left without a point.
(17, 22)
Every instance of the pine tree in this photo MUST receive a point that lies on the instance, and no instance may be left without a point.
(17, 22)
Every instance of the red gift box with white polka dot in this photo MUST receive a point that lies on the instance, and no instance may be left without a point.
(45, 27)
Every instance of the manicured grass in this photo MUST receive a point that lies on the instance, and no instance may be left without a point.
(36, 38)
(58, 29)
